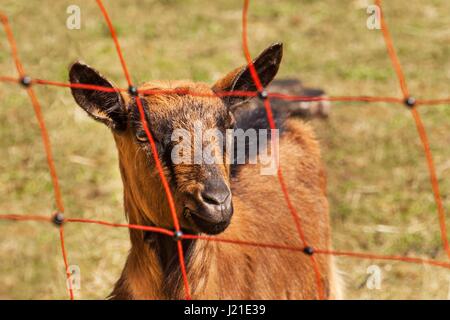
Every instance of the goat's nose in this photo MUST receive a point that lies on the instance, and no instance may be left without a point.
(215, 192)
(214, 202)
(214, 208)
(215, 197)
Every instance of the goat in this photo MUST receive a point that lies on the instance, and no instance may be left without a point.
(234, 200)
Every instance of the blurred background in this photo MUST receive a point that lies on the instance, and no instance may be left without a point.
(380, 195)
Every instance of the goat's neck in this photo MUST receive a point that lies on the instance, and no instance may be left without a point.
(153, 263)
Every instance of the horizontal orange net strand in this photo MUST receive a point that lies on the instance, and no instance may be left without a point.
(271, 95)
(170, 233)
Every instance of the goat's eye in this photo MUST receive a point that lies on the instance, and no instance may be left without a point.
(141, 136)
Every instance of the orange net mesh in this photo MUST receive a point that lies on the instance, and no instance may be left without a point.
(307, 248)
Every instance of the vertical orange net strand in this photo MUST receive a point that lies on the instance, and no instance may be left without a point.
(420, 129)
(391, 52)
(116, 41)
(433, 178)
(66, 263)
(292, 210)
(45, 139)
(12, 44)
(153, 148)
(38, 112)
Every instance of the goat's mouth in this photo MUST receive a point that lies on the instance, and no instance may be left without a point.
(205, 225)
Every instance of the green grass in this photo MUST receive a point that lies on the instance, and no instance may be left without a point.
(379, 190)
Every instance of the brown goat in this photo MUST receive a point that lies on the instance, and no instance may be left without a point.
(203, 193)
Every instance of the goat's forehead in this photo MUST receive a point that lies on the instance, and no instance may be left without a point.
(177, 88)
(174, 96)
(180, 104)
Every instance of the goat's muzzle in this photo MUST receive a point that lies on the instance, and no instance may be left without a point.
(211, 209)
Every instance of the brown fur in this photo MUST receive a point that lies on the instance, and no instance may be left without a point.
(230, 271)
(215, 270)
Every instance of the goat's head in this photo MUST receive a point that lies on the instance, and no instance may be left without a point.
(201, 190)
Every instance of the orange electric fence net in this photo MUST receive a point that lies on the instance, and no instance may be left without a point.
(306, 247)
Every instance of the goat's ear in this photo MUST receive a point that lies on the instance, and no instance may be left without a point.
(240, 79)
(106, 107)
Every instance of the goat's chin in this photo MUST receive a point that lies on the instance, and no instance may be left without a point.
(203, 226)
(198, 224)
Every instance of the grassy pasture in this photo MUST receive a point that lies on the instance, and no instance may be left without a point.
(380, 195)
